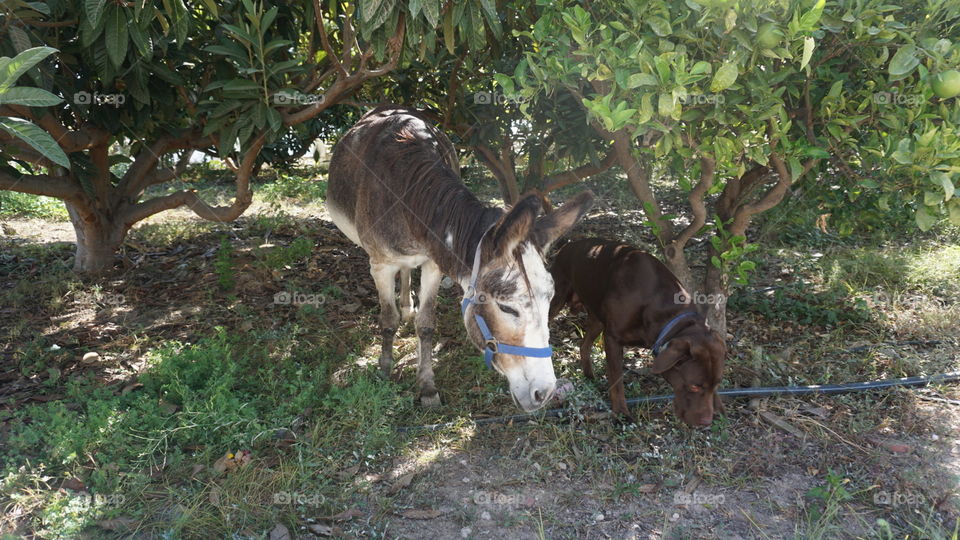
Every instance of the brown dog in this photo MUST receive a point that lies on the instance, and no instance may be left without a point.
(635, 300)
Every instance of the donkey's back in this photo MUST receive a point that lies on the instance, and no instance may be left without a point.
(377, 171)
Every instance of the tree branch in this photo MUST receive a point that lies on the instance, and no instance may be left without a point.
(189, 198)
(697, 206)
(61, 187)
(565, 178)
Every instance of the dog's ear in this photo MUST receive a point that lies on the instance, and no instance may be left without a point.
(516, 225)
(553, 225)
(675, 350)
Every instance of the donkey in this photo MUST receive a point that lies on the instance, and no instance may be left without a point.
(394, 189)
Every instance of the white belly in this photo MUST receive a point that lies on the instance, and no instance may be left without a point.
(343, 223)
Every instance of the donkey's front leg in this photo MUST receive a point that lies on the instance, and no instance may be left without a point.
(430, 276)
(384, 275)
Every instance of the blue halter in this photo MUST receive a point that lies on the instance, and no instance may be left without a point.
(661, 342)
(491, 346)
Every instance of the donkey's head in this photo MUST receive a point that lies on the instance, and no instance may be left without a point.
(507, 312)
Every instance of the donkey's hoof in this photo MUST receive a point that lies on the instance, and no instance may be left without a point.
(430, 401)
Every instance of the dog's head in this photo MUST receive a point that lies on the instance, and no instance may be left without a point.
(693, 365)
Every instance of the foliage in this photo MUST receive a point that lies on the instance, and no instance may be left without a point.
(12, 69)
(34, 206)
(841, 88)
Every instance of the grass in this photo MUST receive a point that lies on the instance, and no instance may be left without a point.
(215, 412)
(14, 204)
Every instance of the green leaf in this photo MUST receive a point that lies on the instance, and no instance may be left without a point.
(953, 211)
(808, 44)
(19, 38)
(368, 8)
(701, 68)
(38, 139)
(448, 32)
(943, 179)
(903, 154)
(641, 79)
(117, 41)
(212, 6)
(904, 62)
(22, 63)
(94, 10)
(660, 26)
(716, 262)
(31, 97)
(931, 198)
(431, 10)
(925, 219)
(725, 76)
(810, 18)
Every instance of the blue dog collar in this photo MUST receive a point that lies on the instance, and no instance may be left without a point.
(491, 346)
(662, 340)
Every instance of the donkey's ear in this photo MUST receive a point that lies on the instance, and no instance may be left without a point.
(515, 226)
(553, 225)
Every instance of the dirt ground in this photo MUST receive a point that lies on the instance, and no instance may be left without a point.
(875, 465)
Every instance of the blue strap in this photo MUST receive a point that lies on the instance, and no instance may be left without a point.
(662, 341)
(491, 345)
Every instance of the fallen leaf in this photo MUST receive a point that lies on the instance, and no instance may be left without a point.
(321, 529)
(347, 515)
(168, 408)
(421, 514)
(130, 388)
(74, 484)
(214, 496)
(780, 423)
(348, 473)
(400, 483)
(647, 488)
(893, 446)
(119, 524)
(280, 533)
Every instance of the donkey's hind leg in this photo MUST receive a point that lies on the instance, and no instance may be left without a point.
(430, 276)
(384, 275)
(406, 300)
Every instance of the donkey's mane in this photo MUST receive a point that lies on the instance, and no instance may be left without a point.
(441, 205)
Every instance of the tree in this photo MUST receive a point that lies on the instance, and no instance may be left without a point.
(735, 100)
(148, 84)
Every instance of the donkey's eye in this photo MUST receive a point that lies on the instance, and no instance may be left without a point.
(508, 310)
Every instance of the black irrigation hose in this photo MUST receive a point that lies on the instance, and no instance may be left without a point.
(732, 392)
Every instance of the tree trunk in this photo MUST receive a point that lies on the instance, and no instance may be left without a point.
(716, 291)
(98, 239)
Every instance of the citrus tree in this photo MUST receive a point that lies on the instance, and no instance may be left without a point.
(733, 101)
